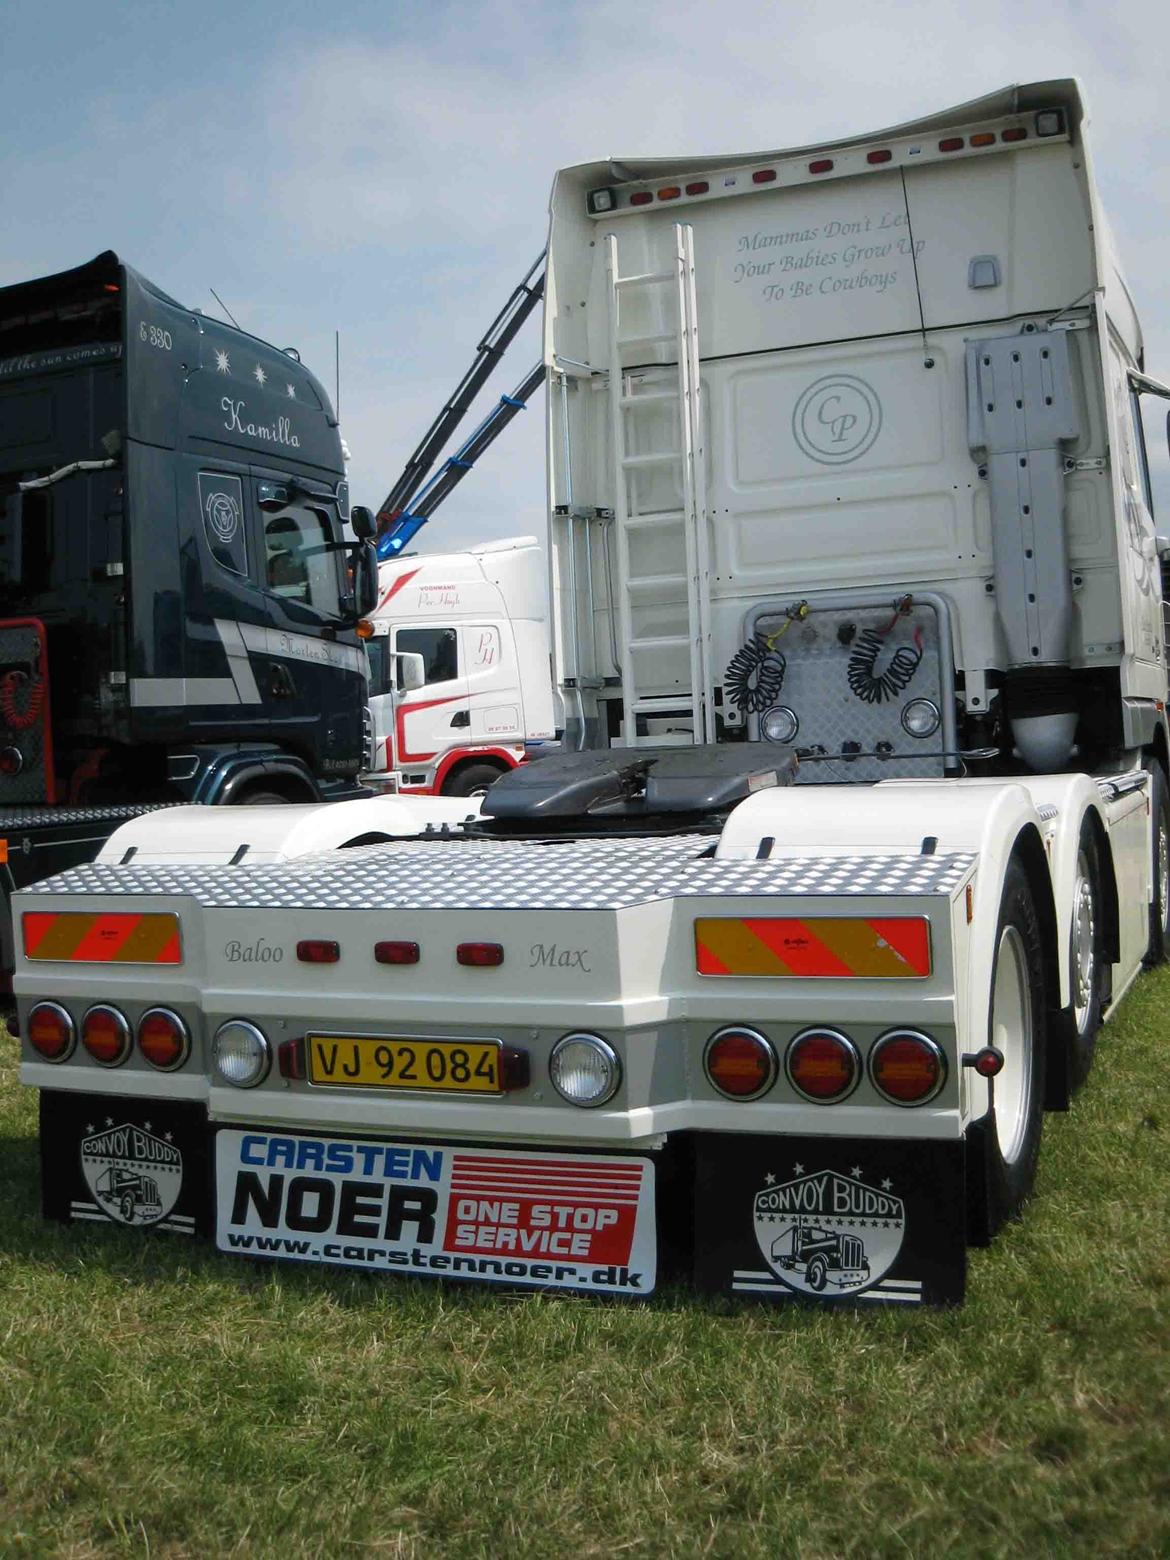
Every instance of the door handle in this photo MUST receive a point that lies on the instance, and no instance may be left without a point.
(461, 718)
(280, 683)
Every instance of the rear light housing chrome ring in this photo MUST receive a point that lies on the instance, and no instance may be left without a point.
(842, 1039)
(122, 1026)
(931, 1045)
(71, 1028)
(766, 1047)
(181, 1027)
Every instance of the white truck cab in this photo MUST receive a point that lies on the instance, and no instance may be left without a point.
(478, 621)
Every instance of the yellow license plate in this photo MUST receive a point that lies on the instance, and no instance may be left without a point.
(368, 1062)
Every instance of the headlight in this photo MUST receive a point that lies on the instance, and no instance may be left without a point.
(584, 1069)
(240, 1054)
(779, 724)
(921, 718)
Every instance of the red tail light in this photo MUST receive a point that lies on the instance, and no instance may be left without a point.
(50, 1031)
(952, 143)
(316, 950)
(763, 176)
(163, 1039)
(481, 955)
(823, 1065)
(396, 952)
(907, 1068)
(821, 165)
(878, 157)
(105, 1034)
(740, 1063)
(1014, 133)
(699, 187)
(641, 198)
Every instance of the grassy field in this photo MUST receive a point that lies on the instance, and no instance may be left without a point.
(156, 1399)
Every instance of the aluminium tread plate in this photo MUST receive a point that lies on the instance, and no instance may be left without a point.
(32, 817)
(607, 874)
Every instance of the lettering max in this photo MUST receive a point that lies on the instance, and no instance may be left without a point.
(550, 956)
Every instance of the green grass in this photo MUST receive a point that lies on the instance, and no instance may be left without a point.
(158, 1399)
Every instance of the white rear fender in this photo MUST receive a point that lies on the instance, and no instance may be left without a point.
(986, 819)
(214, 835)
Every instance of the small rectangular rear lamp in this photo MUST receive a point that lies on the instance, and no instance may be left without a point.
(878, 157)
(599, 202)
(1050, 121)
(983, 138)
(641, 198)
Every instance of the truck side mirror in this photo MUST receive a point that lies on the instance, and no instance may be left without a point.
(365, 579)
(412, 671)
(363, 522)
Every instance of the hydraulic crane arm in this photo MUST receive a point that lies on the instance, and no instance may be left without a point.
(392, 541)
(499, 335)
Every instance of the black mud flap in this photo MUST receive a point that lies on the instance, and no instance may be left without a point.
(830, 1219)
(138, 1162)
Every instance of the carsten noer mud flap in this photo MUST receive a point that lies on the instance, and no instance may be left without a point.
(874, 1220)
(136, 1162)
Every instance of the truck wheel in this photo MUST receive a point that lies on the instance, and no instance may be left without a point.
(1017, 1029)
(1077, 1026)
(1160, 840)
(818, 1274)
(263, 799)
(471, 781)
(126, 1208)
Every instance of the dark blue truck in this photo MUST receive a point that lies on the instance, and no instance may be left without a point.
(177, 592)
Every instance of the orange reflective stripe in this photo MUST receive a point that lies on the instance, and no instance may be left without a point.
(74, 936)
(848, 947)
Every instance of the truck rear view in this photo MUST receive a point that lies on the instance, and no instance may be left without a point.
(860, 831)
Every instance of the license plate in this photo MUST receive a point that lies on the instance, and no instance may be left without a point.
(370, 1062)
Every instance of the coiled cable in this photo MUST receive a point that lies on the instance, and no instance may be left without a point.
(15, 718)
(872, 686)
(755, 675)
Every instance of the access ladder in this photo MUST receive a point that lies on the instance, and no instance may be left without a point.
(681, 559)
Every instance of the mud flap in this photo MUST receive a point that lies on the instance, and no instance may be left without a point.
(799, 1218)
(136, 1162)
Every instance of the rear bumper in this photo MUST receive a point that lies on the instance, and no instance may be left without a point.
(774, 1217)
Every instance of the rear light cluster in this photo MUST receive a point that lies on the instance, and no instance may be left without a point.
(106, 1035)
(824, 1066)
(476, 955)
(1048, 122)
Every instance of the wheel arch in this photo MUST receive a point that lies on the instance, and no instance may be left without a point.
(450, 769)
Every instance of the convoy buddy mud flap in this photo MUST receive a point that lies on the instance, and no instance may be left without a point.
(820, 1218)
(777, 1218)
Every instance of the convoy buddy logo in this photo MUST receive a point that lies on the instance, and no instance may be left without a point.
(135, 1177)
(824, 1233)
(837, 419)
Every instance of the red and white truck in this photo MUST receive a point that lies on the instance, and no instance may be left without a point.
(860, 831)
(478, 620)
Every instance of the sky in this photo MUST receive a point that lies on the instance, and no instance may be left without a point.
(381, 168)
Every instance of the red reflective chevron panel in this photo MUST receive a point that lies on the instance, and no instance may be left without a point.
(113, 937)
(845, 946)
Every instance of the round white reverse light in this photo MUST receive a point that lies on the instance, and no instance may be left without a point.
(584, 1069)
(779, 724)
(240, 1054)
(921, 718)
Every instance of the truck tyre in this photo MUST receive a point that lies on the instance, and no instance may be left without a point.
(1160, 844)
(263, 799)
(473, 780)
(818, 1274)
(1017, 1028)
(1077, 1026)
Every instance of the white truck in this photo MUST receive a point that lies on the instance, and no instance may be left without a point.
(479, 622)
(858, 621)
